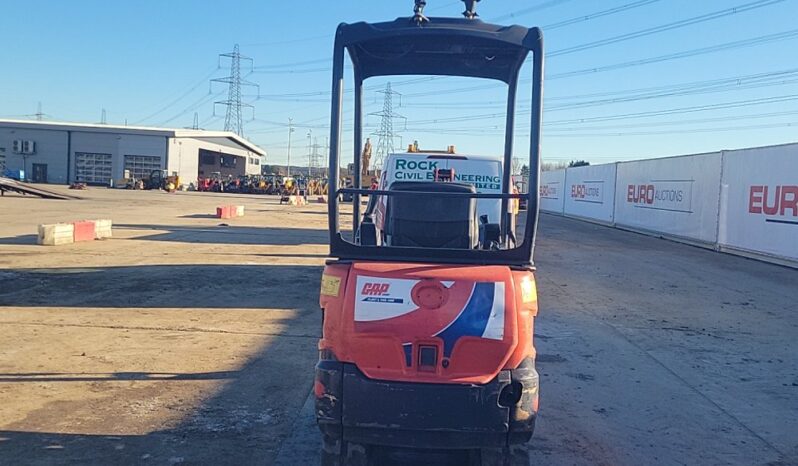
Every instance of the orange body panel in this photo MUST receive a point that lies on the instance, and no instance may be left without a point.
(479, 319)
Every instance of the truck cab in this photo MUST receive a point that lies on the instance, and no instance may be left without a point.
(482, 172)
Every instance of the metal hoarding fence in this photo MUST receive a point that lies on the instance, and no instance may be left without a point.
(674, 196)
(759, 202)
(590, 192)
(552, 190)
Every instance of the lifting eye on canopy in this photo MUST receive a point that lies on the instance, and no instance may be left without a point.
(418, 10)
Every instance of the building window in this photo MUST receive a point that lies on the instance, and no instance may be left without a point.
(142, 166)
(207, 159)
(227, 161)
(92, 167)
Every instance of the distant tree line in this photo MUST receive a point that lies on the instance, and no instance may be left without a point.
(559, 165)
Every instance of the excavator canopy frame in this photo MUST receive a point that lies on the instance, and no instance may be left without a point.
(436, 47)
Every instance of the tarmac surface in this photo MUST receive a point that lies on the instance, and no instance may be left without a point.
(191, 340)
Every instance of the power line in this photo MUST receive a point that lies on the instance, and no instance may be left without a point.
(346, 91)
(441, 7)
(208, 120)
(39, 115)
(290, 65)
(676, 92)
(568, 22)
(524, 11)
(684, 54)
(631, 95)
(577, 19)
(549, 134)
(288, 41)
(304, 71)
(636, 115)
(179, 98)
(681, 131)
(744, 43)
(665, 27)
(671, 111)
(599, 14)
(739, 79)
(759, 40)
(682, 122)
(202, 100)
(499, 130)
(680, 110)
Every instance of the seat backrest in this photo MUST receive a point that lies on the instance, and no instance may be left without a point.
(429, 221)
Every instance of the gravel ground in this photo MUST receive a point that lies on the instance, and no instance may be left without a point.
(183, 340)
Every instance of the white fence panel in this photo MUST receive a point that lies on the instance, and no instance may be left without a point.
(676, 196)
(759, 201)
(590, 192)
(552, 187)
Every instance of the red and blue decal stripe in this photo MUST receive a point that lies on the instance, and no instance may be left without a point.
(473, 320)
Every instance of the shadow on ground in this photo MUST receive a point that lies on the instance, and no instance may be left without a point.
(199, 216)
(162, 286)
(227, 233)
(21, 239)
(244, 422)
(112, 376)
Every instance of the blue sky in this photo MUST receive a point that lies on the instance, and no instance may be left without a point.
(150, 62)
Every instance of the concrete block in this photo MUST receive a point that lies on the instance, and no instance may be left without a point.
(83, 230)
(239, 211)
(56, 233)
(102, 228)
(224, 212)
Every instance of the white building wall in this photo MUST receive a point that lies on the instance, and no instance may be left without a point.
(51, 149)
(253, 168)
(184, 157)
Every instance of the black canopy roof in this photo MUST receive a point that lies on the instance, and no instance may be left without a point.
(440, 46)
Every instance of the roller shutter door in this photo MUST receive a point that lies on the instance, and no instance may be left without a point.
(141, 166)
(92, 168)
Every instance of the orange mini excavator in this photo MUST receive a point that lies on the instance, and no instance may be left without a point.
(428, 314)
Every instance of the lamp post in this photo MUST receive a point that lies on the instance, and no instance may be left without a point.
(310, 156)
(290, 130)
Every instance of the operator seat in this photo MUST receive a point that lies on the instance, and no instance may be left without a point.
(428, 221)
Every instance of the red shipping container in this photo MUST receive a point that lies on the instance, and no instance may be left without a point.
(84, 230)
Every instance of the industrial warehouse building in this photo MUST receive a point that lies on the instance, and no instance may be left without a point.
(56, 152)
